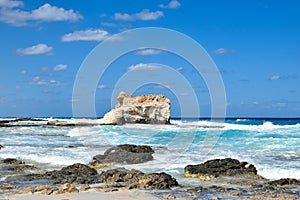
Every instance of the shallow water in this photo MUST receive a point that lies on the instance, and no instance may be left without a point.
(271, 145)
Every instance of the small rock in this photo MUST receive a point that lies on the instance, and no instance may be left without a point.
(157, 181)
(169, 196)
(285, 181)
(12, 161)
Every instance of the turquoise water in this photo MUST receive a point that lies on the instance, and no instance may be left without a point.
(272, 145)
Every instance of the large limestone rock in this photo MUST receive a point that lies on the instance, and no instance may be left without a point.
(147, 109)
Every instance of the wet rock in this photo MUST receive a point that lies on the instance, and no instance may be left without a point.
(132, 179)
(272, 196)
(169, 196)
(285, 181)
(126, 153)
(1, 146)
(79, 173)
(156, 181)
(11, 164)
(49, 190)
(6, 187)
(45, 190)
(221, 167)
(12, 161)
(119, 175)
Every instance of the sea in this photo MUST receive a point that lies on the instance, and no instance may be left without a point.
(271, 145)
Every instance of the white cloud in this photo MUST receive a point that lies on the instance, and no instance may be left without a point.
(60, 67)
(10, 3)
(88, 35)
(23, 71)
(35, 50)
(275, 77)
(222, 51)
(45, 13)
(144, 15)
(147, 51)
(282, 77)
(172, 5)
(36, 80)
(142, 66)
(108, 24)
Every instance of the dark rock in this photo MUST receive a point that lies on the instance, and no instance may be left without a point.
(1, 147)
(285, 181)
(19, 168)
(12, 161)
(79, 173)
(137, 179)
(221, 167)
(27, 119)
(126, 153)
(119, 175)
(11, 164)
(156, 181)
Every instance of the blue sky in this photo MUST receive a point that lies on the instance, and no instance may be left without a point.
(255, 45)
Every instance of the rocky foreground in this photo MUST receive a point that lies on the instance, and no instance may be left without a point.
(218, 179)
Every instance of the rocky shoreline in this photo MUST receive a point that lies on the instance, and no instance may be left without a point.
(218, 179)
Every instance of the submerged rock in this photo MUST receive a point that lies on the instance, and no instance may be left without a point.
(125, 153)
(146, 109)
(14, 165)
(221, 167)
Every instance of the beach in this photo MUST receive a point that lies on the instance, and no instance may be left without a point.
(121, 195)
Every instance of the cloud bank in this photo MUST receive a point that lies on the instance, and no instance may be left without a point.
(45, 13)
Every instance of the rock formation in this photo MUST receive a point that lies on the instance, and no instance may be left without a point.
(14, 165)
(125, 153)
(135, 179)
(78, 173)
(221, 167)
(147, 109)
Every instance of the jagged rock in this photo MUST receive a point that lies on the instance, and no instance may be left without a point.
(285, 181)
(119, 175)
(79, 173)
(132, 179)
(156, 181)
(1, 146)
(221, 167)
(126, 153)
(11, 164)
(49, 190)
(12, 161)
(147, 109)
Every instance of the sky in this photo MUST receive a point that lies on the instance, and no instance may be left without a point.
(255, 45)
